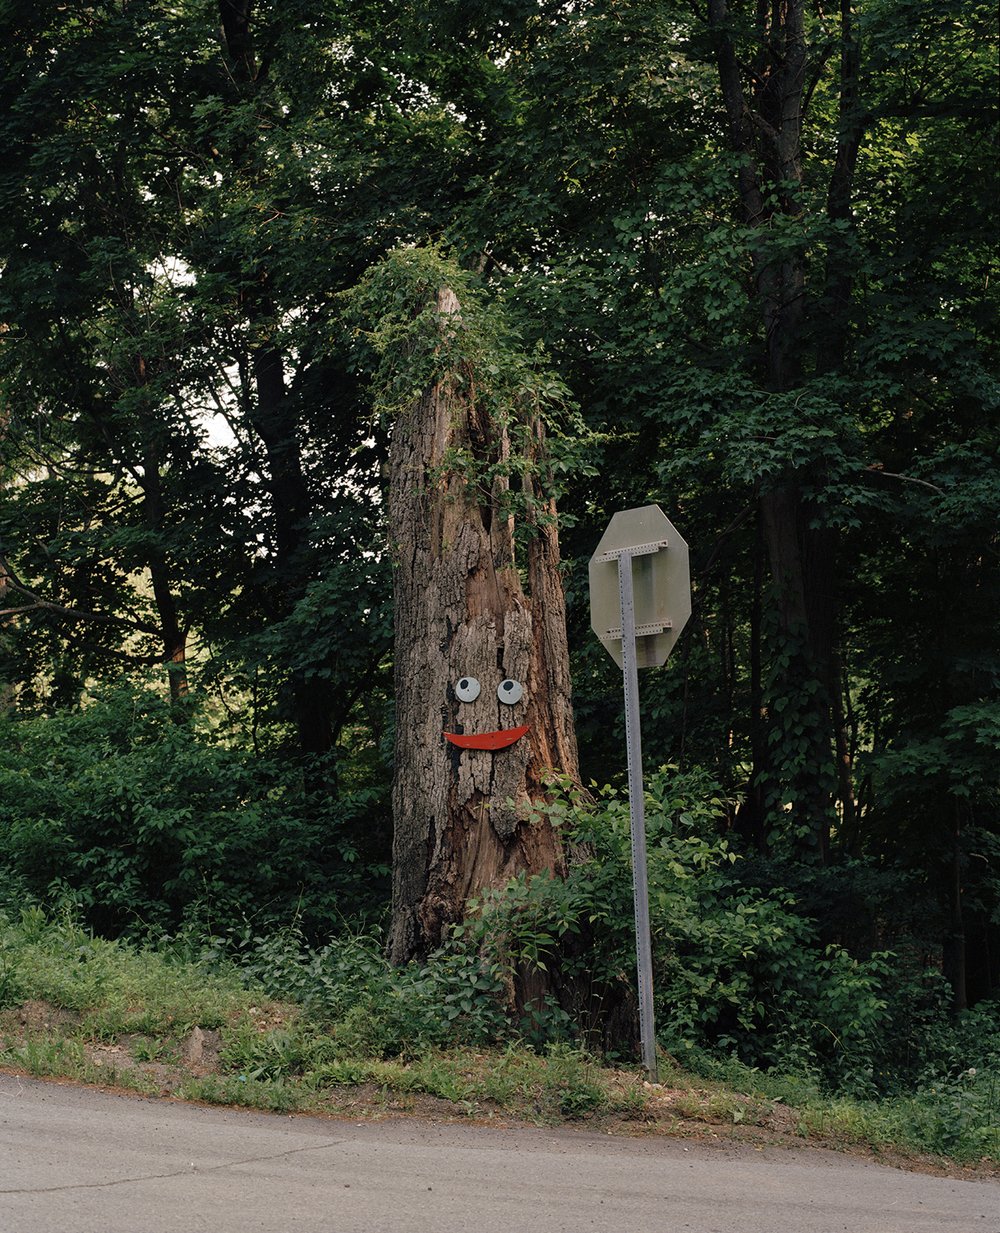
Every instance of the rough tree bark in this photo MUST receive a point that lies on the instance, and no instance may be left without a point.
(465, 612)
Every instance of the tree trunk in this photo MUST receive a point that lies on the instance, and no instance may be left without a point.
(764, 105)
(953, 953)
(751, 816)
(463, 816)
(154, 515)
(273, 413)
(801, 559)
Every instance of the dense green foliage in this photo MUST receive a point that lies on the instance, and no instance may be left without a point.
(737, 968)
(143, 824)
(785, 332)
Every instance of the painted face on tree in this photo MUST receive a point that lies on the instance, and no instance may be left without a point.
(509, 693)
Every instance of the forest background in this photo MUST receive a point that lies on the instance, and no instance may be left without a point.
(747, 254)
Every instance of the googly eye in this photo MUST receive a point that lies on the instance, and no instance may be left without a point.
(510, 692)
(467, 689)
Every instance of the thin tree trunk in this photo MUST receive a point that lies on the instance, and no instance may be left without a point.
(750, 819)
(802, 573)
(764, 128)
(273, 413)
(274, 421)
(845, 756)
(172, 636)
(833, 338)
(954, 958)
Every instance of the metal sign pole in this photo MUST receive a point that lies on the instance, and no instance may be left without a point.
(652, 608)
(637, 815)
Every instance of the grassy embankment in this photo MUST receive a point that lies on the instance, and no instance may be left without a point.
(105, 1013)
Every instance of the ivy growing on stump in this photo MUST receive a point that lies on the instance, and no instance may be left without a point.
(480, 623)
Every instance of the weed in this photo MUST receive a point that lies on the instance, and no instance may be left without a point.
(569, 1083)
(47, 1057)
(363, 1024)
(278, 1054)
(11, 984)
(273, 1096)
(347, 1072)
(149, 1049)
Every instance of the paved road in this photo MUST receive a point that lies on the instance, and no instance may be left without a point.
(79, 1161)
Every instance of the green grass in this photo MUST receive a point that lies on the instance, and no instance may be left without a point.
(953, 1116)
(117, 988)
(66, 1059)
(109, 1013)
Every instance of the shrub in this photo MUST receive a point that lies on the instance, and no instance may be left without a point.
(144, 823)
(11, 983)
(736, 968)
(373, 1010)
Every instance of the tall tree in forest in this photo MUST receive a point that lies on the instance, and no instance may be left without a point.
(251, 107)
(764, 71)
(828, 365)
(101, 437)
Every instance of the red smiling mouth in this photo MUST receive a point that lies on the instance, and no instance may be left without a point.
(487, 740)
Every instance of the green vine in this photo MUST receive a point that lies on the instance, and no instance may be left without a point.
(404, 342)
